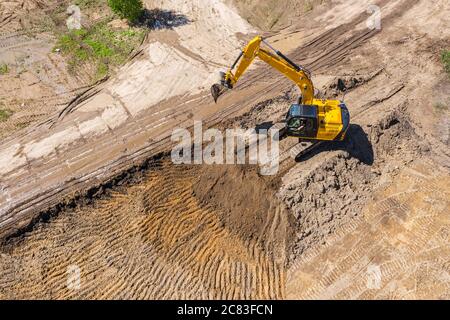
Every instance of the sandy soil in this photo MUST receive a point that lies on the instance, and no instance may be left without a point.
(37, 83)
(365, 218)
(152, 240)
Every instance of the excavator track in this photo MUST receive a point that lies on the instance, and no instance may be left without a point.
(302, 148)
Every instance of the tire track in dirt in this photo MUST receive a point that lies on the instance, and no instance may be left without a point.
(37, 83)
(330, 48)
(159, 254)
(153, 240)
(394, 236)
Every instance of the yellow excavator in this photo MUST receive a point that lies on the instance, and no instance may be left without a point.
(311, 120)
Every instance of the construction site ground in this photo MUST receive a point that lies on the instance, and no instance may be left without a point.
(86, 177)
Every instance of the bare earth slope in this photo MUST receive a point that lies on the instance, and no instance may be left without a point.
(36, 83)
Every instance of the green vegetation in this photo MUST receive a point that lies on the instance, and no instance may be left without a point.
(97, 48)
(131, 10)
(102, 70)
(308, 6)
(445, 58)
(3, 68)
(99, 45)
(88, 3)
(4, 113)
(441, 106)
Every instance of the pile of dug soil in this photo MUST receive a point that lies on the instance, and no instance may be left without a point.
(335, 191)
(246, 203)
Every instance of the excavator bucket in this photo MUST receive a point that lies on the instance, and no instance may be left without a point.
(217, 90)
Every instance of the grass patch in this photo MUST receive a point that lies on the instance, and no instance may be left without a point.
(308, 6)
(445, 58)
(4, 68)
(5, 114)
(83, 4)
(102, 70)
(100, 45)
(97, 48)
(131, 10)
(440, 106)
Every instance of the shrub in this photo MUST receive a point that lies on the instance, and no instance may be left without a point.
(131, 10)
(5, 114)
(4, 68)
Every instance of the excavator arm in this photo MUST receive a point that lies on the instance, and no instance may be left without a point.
(309, 120)
(297, 74)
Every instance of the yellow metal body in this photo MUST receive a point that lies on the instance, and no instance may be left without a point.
(330, 120)
(330, 123)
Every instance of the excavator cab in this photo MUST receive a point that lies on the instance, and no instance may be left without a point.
(326, 120)
(302, 121)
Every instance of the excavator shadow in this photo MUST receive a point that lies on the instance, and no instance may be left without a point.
(264, 126)
(161, 19)
(356, 143)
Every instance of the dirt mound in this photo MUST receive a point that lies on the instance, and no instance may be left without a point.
(339, 85)
(219, 232)
(246, 204)
(394, 136)
(333, 192)
(327, 198)
(402, 236)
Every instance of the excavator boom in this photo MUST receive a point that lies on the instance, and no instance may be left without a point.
(311, 119)
(299, 75)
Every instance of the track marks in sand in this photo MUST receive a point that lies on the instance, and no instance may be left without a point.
(403, 232)
(153, 240)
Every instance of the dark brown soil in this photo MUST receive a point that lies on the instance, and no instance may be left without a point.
(246, 202)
